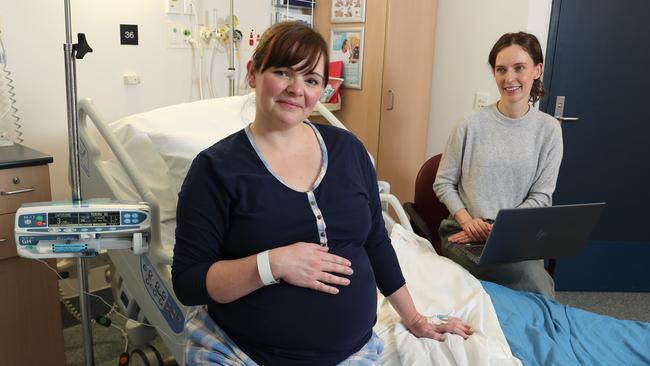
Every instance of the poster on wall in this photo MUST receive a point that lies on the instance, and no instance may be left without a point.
(347, 46)
(348, 11)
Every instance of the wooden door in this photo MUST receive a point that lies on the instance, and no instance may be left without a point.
(406, 88)
(360, 108)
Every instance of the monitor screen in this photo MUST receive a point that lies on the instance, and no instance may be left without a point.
(99, 218)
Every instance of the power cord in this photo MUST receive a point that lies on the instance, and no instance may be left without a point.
(103, 320)
(159, 330)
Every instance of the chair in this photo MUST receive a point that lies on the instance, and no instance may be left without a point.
(426, 211)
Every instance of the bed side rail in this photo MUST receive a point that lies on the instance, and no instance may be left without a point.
(99, 182)
(390, 201)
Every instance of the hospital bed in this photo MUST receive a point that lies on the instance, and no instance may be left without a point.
(151, 153)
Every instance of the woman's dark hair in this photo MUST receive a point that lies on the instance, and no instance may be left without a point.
(531, 45)
(286, 44)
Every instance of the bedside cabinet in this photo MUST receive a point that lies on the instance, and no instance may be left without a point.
(31, 330)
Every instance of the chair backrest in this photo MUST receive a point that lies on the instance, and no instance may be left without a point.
(426, 202)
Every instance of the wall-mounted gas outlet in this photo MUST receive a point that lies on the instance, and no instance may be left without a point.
(178, 35)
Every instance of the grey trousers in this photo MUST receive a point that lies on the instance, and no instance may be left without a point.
(527, 276)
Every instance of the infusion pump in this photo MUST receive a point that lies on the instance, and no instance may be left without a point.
(81, 229)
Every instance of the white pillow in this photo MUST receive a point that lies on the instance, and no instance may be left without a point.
(151, 166)
(199, 117)
(178, 151)
(212, 122)
(163, 142)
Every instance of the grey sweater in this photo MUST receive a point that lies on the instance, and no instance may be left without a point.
(493, 162)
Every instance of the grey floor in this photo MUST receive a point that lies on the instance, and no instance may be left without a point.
(109, 343)
(620, 305)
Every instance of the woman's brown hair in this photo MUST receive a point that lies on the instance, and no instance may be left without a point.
(286, 44)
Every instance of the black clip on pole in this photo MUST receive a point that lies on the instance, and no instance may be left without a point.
(81, 48)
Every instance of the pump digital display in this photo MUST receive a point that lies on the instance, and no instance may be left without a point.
(100, 218)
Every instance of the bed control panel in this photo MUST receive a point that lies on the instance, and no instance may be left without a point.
(72, 229)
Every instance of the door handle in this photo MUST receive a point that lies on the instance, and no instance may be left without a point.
(567, 119)
(3, 193)
(391, 100)
(3, 240)
(559, 110)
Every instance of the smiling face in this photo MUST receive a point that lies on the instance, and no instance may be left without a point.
(514, 73)
(288, 71)
(285, 96)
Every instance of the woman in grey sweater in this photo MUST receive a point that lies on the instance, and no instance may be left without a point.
(502, 156)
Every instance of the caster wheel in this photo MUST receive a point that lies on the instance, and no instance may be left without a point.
(147, 356)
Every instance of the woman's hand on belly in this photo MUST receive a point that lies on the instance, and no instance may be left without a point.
(310, 265)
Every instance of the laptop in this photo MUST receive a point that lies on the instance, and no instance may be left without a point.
(536, 233)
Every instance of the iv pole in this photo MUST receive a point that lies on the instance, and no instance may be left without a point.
(71, 52)
(231, 57)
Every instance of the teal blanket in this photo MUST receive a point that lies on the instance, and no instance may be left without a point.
(545, 332)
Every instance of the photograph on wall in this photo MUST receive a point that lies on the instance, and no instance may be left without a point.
(347, 46)
(348, 11)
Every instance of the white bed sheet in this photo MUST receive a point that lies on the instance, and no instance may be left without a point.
(440, 286)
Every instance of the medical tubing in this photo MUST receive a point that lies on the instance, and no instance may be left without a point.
(12, 96)
(192, 72)
(87, 109)
(110, 306)
(211, 69)
(194, 63)
(72, 310)
(200, 48)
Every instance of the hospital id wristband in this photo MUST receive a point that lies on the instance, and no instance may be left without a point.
(264, 269)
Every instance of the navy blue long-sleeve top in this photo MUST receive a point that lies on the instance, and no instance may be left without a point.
(231, 206)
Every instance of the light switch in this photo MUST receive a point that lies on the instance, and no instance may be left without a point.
(481, 99)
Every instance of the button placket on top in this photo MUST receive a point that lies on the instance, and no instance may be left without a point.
(320, 222)
(311, 198)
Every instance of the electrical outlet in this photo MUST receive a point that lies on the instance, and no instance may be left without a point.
(481, 99)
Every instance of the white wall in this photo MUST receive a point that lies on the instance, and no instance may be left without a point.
(34, 33)
(465, 32)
